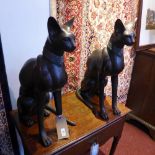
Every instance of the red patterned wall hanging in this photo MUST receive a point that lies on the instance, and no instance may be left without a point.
(94, 22)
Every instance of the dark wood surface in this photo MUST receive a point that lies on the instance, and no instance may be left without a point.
(89, 129)
(141, 96)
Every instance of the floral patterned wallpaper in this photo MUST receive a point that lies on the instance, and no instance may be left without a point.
(5, 139)
(93, 26)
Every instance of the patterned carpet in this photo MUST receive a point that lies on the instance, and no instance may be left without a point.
(5, 140)
(93, 26)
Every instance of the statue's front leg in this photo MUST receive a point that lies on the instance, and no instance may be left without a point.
(103, 113)
(58, 102)
(114, 81)
(42, 99)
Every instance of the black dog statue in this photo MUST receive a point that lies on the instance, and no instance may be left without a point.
(45, 74)
(106, 62)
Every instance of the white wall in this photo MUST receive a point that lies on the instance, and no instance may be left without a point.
(23, 28)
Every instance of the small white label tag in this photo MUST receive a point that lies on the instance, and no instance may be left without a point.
(62, 127)
(63, 132)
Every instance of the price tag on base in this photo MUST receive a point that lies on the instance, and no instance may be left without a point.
(62, 127)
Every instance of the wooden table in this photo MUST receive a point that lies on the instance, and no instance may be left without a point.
(89, 129)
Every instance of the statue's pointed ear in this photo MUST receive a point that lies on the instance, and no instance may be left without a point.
(119, 27)
(131, 25)
(69, 23)
(53, 26)
(135, 19)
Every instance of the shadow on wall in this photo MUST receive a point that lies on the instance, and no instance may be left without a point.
(13, 99)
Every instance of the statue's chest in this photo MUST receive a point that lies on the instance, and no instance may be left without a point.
(114, 65)
(49, 75)
(58, 74)
(117, 64)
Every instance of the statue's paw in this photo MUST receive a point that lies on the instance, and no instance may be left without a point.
(46, 141)
(46, 113)
(29, 122)
(104, 116)
(71, 123)
(94, 111)
(116, 111)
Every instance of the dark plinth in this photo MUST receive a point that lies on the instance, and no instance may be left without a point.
(88, 130)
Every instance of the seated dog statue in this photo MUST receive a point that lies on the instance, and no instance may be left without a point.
(45, 74)
(106, 62)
